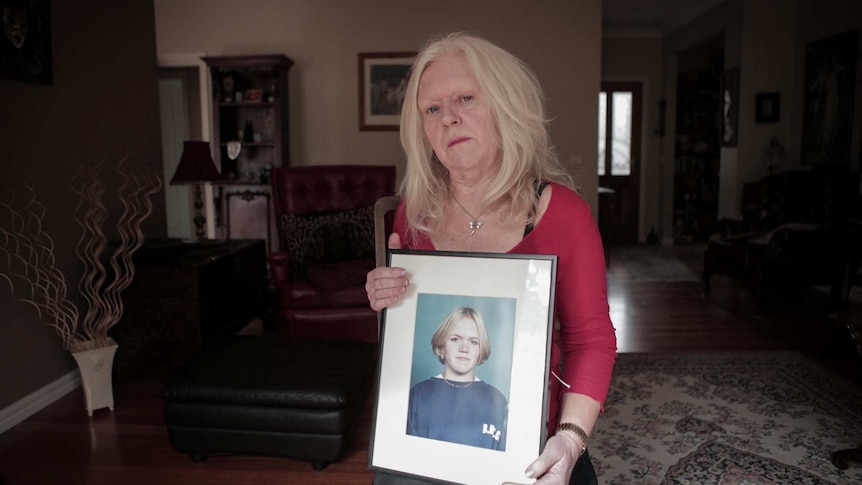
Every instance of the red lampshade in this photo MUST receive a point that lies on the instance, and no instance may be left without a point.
(196, 165)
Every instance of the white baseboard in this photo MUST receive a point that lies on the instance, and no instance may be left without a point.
(38, 400)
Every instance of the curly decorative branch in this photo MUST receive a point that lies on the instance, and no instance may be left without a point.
(30, 266)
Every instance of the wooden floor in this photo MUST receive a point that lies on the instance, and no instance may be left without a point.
(61, 445)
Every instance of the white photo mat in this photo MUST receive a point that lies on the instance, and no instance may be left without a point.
(529, 280)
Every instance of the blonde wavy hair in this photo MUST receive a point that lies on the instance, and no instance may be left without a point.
(516, 102)
(438, 340)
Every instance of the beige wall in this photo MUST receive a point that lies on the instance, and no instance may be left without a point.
(638, 59)
(102, 105)
(561, 41)
(768, 30)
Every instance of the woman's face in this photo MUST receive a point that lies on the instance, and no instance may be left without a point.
(456, 118)
(461, 350)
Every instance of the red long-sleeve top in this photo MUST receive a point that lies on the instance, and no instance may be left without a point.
(584, 343)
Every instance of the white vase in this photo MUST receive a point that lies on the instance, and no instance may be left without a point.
(96, 366)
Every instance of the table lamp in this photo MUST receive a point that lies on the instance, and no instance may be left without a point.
(196, 167)
(775, 154)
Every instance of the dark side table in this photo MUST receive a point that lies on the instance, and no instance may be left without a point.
(185, 296)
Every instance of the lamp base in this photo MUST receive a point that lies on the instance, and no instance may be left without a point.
(199, 220)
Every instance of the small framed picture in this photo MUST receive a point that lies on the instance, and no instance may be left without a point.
(768, 107)
(463, 367)
(253, 96)
(382, 83)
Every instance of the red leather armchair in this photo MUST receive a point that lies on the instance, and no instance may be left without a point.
(326, 240)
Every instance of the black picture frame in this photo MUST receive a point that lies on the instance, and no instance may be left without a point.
(25, 46)
(516, 294)
(383, 80)
(767, 107)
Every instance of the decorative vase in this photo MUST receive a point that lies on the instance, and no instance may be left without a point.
(96, 365)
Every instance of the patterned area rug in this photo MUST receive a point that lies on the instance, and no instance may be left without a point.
(652, 263)
(726, 418)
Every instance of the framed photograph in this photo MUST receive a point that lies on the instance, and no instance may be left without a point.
(830, 81)
(25, 49)
(463, 367)
(382, 83)
(729, 107)
(253, 96)
(767, 109)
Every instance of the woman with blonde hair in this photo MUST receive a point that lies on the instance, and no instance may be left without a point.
(482, 176)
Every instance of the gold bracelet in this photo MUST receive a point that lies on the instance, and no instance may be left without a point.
(577, 431)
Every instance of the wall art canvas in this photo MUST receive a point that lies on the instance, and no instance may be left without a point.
(25, 47)
(830, 78)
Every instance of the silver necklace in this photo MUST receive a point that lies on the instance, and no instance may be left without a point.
(475, 224)
(456, 386)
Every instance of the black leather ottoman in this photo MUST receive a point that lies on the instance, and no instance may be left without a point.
(258, 395)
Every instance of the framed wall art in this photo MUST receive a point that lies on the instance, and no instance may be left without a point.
(25, 46)
(463, 368)
(767, 107)
(830, 79)
(382, 83)
(729, 107)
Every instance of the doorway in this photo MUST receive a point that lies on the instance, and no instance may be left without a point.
(184, 112)
(620, 108)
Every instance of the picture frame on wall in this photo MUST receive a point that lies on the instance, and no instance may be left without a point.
(767, 107)
(730, 107)
(501, 307)
(382, 83)
(830, 80)
(25, 47)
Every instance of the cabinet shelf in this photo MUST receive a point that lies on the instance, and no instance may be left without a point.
(233, 183)
(251, 144)
(261, 83)
(262, 104)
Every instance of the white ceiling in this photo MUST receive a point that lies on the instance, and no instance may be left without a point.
(651, 16)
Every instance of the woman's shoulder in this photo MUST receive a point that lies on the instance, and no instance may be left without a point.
(566, 200)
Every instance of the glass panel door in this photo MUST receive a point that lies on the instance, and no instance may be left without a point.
(618, 153)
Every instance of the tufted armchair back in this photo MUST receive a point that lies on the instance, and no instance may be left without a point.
(820, 195)
(325, 212)
(327, 188)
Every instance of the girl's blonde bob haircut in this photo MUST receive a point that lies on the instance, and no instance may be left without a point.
(438, 340)
(516, 102)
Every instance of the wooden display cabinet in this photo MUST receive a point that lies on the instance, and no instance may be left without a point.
(250, 113)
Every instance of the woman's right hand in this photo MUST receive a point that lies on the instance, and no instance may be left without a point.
(384, 284)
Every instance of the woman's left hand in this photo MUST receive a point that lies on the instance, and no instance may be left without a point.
(554, 466)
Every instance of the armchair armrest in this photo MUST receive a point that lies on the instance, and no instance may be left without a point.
(279, 264)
